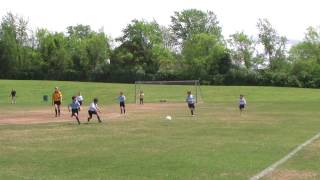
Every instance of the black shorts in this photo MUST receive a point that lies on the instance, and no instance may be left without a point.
(241, 106)
(74, 111)
(191, 106)
(92, 112)
(57, 103)
(122, 104)
(80, 102)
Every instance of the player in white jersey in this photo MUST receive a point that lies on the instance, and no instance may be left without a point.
(94, 109)
(80, 98)
(242, 103)
(190, 100)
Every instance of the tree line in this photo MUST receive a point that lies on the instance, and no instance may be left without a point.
(191, 47)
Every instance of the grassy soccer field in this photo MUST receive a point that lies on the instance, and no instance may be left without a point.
(217, 143)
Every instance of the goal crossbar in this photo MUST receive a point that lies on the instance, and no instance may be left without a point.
(195, 83)
(190, 82)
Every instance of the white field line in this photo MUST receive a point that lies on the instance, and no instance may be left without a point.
(271, 168)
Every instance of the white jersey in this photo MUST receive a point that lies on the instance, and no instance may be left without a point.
(93, 107)
(242, 101)
(190, 99)
(79, 98)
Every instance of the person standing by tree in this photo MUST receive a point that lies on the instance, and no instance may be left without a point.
(13, 96)
(57, 100)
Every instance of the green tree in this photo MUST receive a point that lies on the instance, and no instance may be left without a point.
(242, 49)
(8, 50)
(79, 31)
(309, 48)
(15, 46)
(205, 56)
(98, 50)
(142, 47)
(189, 22)
(273, 44)
(53, 49)
(79, 56)
(168, 39)
(305, 57)
(78, 37)
(19, 26)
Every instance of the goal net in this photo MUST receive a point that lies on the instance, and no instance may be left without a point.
(167, 91)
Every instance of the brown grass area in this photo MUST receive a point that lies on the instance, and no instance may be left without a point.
(46, 114)
(315, 146)
(293, 175)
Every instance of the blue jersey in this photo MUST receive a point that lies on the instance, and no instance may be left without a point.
(190, 99)
(121, 98)
(75, 105)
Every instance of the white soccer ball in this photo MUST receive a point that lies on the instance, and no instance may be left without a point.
(168, 117)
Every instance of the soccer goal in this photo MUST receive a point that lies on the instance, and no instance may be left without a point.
(167, 91)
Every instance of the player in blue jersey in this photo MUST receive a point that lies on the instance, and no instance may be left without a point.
(74, 107)
(190, 100)
(122, 100)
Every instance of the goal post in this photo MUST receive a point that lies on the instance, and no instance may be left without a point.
(167, 91)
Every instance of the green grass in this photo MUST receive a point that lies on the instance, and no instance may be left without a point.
(30, 93)
(216, 144)
(304, 165)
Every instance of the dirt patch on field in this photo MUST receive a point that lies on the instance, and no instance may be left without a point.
(293, 175)
(46, 114)
(315, 146)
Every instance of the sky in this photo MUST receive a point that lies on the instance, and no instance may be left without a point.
(289, 17)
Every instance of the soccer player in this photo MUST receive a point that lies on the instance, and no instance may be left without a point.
(57, 100)
(94, 109)
(242, 103)
(80, 98)
(122, 99)
(141, 95)
(13, 96)
(190, 100)
(75, 107)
